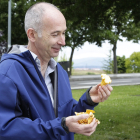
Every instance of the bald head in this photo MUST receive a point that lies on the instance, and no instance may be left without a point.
(35, 15)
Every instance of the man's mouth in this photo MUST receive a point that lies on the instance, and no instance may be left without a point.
(56, 49)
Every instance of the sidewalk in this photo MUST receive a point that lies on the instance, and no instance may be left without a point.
(98, 77)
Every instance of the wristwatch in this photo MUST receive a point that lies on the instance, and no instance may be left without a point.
(63, 124)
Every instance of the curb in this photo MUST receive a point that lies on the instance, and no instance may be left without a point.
(114, 85)
(98, 77)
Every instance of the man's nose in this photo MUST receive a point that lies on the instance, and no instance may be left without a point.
(62, 40)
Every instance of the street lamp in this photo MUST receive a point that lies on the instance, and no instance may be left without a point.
(9, 24)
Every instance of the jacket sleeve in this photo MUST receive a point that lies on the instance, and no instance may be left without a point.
(84, 103)
(15, 127)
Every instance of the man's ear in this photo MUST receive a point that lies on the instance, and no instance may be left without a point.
(31, 33)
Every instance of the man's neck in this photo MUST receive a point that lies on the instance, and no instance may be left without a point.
(43, 63)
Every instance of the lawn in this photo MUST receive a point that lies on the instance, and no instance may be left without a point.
(119, 115)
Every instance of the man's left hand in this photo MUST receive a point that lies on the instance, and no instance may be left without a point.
(100, 93)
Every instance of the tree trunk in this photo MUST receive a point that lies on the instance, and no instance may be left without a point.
(115, 57)
(71, 56)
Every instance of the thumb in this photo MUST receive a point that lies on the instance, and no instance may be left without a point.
(82, 116)
(97, 86)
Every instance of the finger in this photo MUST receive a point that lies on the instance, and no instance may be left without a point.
(106, 91)
(109, 88)
(88, 134)
(82, 116)
(100, 94)
(104, 96)
(97, 86)
(93, 123)
(87, 129)
(90, 127)
(91, 130)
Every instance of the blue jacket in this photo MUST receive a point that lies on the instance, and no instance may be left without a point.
(26, 111)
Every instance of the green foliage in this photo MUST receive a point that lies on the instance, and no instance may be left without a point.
(133, 63)
(121, 64)
(132, 32)
(56, 59)
(90, 73)
(3, 19)
(18, 11)
(92, 21)
(63, 58)
(108, 65)
(116, 115)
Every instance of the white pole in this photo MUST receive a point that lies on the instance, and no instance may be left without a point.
(9, 24)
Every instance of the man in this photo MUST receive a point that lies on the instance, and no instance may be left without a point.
(35, 94)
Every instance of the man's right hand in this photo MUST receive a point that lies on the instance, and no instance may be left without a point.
(85, 129)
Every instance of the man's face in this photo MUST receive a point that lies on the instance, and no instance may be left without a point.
(53, 37)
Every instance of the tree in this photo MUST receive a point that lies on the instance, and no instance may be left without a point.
(102, 20)
(133, 63)
(74, 39)
(121, 64)
(120, 19)
(3, 18)
(92, 21)
(86, 23)
(132, 28)
(132, 32)
(108, 64)
(3, 45)
(18, 12)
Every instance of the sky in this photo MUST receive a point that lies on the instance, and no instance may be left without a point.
(91, 50)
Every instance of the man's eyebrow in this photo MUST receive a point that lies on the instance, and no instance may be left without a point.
(57, 31)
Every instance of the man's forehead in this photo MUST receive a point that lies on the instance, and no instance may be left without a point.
(55, 21)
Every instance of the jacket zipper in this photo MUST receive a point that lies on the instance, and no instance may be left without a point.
(41, 79)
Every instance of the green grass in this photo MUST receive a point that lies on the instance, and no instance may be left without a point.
(119, 115)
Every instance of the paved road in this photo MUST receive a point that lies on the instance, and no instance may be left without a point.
(80, 82)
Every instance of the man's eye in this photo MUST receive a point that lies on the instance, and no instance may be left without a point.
(54, 34)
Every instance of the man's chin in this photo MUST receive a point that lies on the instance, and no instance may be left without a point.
(55, 54)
